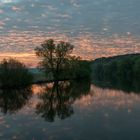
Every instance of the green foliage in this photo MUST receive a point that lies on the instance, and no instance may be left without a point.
(137, 69)
(125, 70)
(83, 69)
(14, 74)
(121, 71)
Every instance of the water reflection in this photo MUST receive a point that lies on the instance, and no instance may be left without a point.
(99, 113)
(121, 84)
(12, 100)
(57, 99)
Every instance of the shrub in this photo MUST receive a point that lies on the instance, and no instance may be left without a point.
(83, 69)
(14, 74)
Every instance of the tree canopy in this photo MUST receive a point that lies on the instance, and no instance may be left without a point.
(57, 60)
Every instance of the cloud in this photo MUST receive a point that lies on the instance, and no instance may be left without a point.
(9, 1)
(89, 24)
(104, 16)
(2, 23)
(1, 11)
(15, 8)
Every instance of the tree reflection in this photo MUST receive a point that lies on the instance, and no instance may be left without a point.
(57, 99)
(124, 85)
(14, 99)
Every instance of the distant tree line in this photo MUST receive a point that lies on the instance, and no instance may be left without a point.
(121, 71)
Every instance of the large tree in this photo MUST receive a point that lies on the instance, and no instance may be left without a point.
(56, 58)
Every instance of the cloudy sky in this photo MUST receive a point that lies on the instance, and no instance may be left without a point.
(96, 27)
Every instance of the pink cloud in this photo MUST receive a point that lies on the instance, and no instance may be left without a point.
(14, 8)
(2, 23)
(1, 11)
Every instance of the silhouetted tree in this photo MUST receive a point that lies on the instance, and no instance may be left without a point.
(14, 74)
(55, 56)
(58, 61)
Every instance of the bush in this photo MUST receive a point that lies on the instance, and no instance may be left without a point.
(14, 74)
(83, 70)
(136, 70)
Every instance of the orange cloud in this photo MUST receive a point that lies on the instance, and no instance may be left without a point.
(89, 46)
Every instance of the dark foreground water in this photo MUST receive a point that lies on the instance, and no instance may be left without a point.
(69, 111)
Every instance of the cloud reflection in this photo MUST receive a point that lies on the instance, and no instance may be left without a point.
(115, 99)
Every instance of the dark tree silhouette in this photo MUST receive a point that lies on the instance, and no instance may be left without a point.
(14, 74)
(56, 57)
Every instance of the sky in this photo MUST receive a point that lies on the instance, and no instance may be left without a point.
(97, 28)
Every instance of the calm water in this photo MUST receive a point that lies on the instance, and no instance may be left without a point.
(69, 111)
